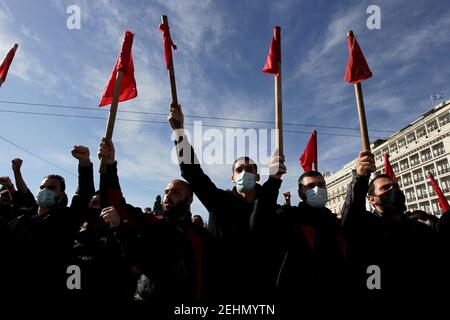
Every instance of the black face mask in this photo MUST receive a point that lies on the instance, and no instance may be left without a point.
(393, 201)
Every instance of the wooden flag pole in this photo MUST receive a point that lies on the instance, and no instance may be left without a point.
(361, 112)
(112, 114)
(171, 71)
(278, 106)
(317, 156)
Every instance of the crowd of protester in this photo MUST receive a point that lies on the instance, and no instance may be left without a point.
(253, 249)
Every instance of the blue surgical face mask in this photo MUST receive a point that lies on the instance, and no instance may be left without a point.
(45, 198)
(316, 197)
(245, 182)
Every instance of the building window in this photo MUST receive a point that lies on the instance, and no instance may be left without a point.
(393, 147)
(442, 166)
(407, 179)
(404, 164)
(411, 138)
(421, 192)
(428, 169)
(444, 119)
(414, 159)
(445, 184)
(418, 176)
(410, 195)
(432, 126)
(421, 132)
(401, 143)
(424, 206)
(438, 149)
(426, 155)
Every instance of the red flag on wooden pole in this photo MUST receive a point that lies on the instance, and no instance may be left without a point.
(4, 67)
(168, 45)
(123, 73)
(273, 60)
(309, 156)
(443, 203)
(167, 42)
(357, 67)
(388, 168)
(273, 66)
(125, 64)
(357, 71)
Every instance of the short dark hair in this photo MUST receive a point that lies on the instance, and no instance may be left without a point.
(188, 186)
(62, 182)
(246, 159)
(311, 173)
(371, 189)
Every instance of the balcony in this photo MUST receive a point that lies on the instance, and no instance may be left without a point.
(438, 152)
(412, 198)
(407, 183)
(418, 178)
(444, 170)
(426, 157)
(421, 196)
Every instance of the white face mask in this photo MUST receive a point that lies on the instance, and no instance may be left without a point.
(245, 182)
(316, 197)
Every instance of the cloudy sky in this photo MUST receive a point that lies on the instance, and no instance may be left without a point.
(222, 46)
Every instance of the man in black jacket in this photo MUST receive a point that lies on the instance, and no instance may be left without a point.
(231, 213)
(390, 253)
(310, 270)
(38, 242)
(173, 256)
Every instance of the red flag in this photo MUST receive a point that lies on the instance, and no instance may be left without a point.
(4, 67)
(273, 60)
(357, 68)
(167, 42)
(388, 168)
(443, 203)
(125, 64)
(309, 156)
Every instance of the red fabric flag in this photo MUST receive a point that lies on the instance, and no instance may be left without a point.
(388, 168)
(443, 203)
(273, 60)
(357, 68)
(309, 156)
(167, 42)
(4, 67)
(125, 64)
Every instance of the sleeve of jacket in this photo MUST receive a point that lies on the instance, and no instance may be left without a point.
(85, 190)
(265, 215)
(206, 191)
(24, 200)
(111, 195)
(354, 208)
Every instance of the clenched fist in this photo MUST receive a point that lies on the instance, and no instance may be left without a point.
(81, 153)
(16, 164)
(176, 118)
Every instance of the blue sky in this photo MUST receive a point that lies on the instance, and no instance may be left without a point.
(222, 46)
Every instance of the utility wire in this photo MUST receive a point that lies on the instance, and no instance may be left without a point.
(187, 116)
(165, 122)
(36, 156)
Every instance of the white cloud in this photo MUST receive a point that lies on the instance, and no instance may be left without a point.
(30, 34)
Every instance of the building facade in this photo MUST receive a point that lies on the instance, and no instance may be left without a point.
(421, 147)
